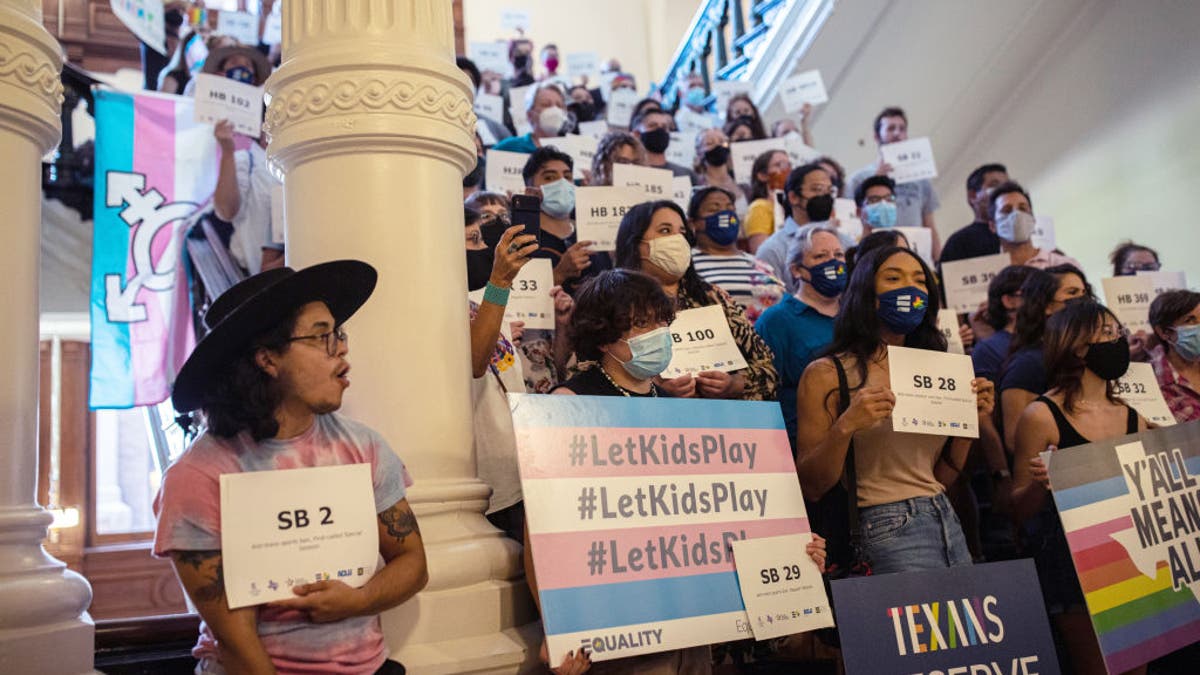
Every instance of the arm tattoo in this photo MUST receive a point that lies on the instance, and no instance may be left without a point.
(399, 521)
(214, 589)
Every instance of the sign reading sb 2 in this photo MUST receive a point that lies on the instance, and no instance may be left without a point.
(299, 518)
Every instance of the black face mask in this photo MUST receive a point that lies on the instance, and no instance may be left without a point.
(520, 61)
(476, 176)
(1109, 360)
(584, 112)
(656, 141)
(819, 208)
(479, 268)
(717, 156)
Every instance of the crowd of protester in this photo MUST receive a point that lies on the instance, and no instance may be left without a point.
(812, 301)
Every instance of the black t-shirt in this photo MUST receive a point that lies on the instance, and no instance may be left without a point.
(972, 241)
(593, 382)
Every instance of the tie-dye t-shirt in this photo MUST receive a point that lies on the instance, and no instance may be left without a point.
(188, 507)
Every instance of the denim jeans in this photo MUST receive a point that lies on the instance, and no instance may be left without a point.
(915, 534)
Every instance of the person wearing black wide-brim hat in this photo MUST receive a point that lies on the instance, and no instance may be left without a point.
(268, 379)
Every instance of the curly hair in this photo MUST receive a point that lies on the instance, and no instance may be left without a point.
(609, 145)
(612, 302)
(243, 396)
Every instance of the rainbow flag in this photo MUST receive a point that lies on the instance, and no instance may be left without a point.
(632, 505)
(1131, 511)
(155, 167)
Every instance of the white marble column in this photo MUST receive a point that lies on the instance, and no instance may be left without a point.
(372, 126)
(44, 626)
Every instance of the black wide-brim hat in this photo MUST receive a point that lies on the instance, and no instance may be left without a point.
(257, 304)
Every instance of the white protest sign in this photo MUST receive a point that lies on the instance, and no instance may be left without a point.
(504, 171)
(516, 107)
(846, 212)
(911, 160)
(598, 213)
(620, 107)
(948, 324)
(1129, 298)
(727, 89)
(285, 528)
(798, 152)
(807, 87)
(1139, 388)
(583, 64)
(597, 129)
(682, 149)
(920, 240)
(1043, 233)
(653, 183)
(273, 28)
(490, 106)
(781, 586)
(1162, 281)
(143, 18)
(743, 154)
(582, 150)
(681, 191)
(702, 341)
(220, 98)
(515, 19)
(485, 132)
(967, 280)
(692, 122)
(278, 218)
(529, 300)
(933, 392)
(242, 26)
(491, 56)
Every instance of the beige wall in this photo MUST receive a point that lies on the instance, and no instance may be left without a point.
(642, 34)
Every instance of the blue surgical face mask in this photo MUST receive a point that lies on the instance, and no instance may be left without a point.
(240, 74)
(1187, 342)
(558, 198)
(650, 354)
(880, 215)
(695, 97)
(903, 309)
(829, 277)
(722, 227)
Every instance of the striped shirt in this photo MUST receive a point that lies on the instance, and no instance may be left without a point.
(747, 280)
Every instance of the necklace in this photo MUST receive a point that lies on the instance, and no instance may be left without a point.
(623, 390)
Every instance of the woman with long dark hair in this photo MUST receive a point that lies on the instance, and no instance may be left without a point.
(768, 176)
(907, 523)
(654, 238)
(1086, 350)
(1022, 376)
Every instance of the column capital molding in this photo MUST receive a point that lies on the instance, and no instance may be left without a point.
(31, 90)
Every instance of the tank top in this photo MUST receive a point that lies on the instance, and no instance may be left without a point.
(1069, 437)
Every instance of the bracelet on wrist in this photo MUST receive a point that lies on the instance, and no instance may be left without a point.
(495, 294)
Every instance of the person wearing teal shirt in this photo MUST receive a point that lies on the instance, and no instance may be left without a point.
(800, 326)
(546, 110)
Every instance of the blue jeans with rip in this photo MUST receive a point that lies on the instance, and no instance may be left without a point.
(914, 534)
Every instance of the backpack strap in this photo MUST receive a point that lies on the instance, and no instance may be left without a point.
(851, 477)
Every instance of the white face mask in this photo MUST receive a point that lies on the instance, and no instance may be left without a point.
(1015, 227)
(671, 254)
(551, 120)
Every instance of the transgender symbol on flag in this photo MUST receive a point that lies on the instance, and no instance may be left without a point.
(147, 210)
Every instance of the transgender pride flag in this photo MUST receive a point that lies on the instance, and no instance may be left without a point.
(154, 167)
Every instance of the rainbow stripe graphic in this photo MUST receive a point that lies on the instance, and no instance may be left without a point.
(1137, 608)
(707, 472)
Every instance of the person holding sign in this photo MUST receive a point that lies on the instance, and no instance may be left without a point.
(1013, 222)
(1175, 319)
(269, 377)
(652, 239)
(548, 174)
(720, 262)
(1022, 376)
(916, 201)
(1087, 350)
(844, 405)
(801, 325)
(768, 176)
(546, 110)
(653, 127)
(617, 147)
